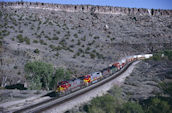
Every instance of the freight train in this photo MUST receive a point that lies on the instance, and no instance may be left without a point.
(65, 87)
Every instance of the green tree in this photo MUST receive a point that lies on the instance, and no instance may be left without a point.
(59, 75)
(105, 103)
(158, 106)
(94, 109)
(168, 53)
(39, 74)
(131, 107)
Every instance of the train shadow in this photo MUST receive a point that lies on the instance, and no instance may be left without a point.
(52, 94)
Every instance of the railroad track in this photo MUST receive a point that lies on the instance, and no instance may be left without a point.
(45, 105)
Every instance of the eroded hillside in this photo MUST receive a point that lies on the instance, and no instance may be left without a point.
(82, 41)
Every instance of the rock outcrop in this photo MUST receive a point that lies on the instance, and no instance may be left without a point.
(89, 8)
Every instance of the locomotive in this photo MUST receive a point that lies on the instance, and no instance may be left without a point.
(65, 87)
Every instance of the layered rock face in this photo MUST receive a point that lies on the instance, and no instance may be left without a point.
(83, 39)
(89, 8)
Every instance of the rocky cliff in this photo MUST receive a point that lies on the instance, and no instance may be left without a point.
(88, 8)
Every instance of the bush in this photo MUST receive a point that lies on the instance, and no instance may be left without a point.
(96, 37)
(52, 47)
(0, 43)
(92, 55)
(75, 35)
(55, 38)
(79, 43)
(158, 106)
(20, 38)
(15, 67)
(39, 74)
(57, 54)
(35, 41)
(157, 56)
(168, 53)
(105, 104)
(27, 40)
(132, 107)
(36, 51)
(42, 42)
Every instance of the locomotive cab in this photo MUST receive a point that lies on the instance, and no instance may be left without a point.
(63, 86)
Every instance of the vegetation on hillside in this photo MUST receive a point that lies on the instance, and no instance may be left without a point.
(114, 103)
(167, 54)
(42, 75)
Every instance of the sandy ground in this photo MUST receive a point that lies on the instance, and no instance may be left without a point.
(93, 93)
(18, 104)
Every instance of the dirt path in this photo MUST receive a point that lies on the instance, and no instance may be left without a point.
(91, 94)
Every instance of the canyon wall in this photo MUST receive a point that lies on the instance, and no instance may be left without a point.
(87, 8)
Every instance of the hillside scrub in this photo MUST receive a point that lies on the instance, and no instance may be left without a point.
(113, 102)
(167, 54)
(58, 35)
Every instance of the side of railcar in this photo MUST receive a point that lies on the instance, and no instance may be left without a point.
(96, 76)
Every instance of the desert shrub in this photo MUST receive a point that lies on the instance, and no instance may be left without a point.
(84, 38)
(80, 50)
(15, 67)
(72, 40)
(57, 54)
(167, 87)
(92, 55)
(96, 37)
(58, 32)
(52, 47)
(99, 56)
(62, 42)
(20, 38)
(39, 74)
(36, 51)
(35, 41)
(168, 53)
(55, 38)
(78, 53)
(112, 39)
(157, 56)
(1, 37)
(79, 43)
(27, 40)
(0, 43)
(42, 42)
(75, 35)
(12, 39)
